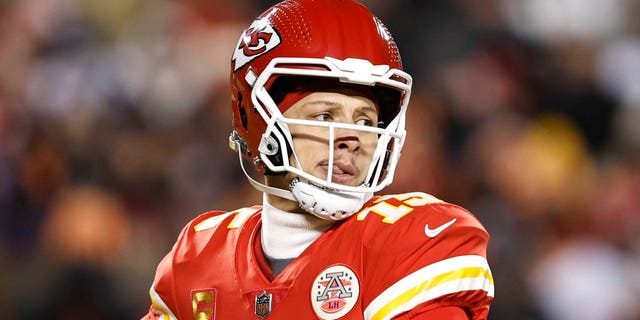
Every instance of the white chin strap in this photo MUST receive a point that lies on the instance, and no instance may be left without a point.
(326, 203)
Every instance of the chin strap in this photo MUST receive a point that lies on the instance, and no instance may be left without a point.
(327, 204)
(324, 203)
(286, 194)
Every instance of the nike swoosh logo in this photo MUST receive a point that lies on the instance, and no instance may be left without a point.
(432, 233)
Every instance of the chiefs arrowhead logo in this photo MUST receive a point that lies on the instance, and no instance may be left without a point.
(257, 40)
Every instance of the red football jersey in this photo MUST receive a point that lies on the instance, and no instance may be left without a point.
(398, 256)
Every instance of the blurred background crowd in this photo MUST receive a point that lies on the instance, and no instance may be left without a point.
(114, 119)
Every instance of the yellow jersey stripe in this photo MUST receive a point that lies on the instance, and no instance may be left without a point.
(456, 274)
(404, 298)
(159, 305)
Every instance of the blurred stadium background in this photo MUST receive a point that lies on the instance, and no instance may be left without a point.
(114, 118)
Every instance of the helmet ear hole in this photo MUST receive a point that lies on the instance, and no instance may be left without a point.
(273, 148)
(276, 158)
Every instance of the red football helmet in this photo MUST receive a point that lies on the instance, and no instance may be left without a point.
(315, 40)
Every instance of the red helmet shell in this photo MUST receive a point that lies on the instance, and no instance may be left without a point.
(338, 29)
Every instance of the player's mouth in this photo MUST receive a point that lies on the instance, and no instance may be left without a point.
(341, 173)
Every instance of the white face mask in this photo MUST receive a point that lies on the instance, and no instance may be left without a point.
(326, 203)
(349, 71)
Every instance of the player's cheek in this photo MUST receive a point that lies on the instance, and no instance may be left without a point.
(369, 142)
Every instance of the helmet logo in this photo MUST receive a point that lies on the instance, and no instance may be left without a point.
(257, 40)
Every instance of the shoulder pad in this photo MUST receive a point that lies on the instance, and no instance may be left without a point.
(212, 219)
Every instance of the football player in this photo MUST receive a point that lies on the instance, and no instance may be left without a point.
(319, 99)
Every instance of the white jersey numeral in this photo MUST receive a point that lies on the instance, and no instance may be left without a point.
(393, 213)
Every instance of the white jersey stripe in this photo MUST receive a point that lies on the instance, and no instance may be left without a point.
(463, 273)
(161, 307)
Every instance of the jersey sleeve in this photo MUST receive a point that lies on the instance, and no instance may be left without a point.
(424, 255)
(163, 304)
(190, 242)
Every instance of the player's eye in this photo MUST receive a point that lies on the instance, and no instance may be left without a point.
(322, 117)
(364, 122)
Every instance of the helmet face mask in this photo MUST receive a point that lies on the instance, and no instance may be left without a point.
(270, 50)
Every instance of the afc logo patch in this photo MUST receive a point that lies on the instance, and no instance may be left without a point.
(204, 304)
(257, 40)
(334, 292)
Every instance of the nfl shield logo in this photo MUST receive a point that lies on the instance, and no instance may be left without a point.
(263, 304)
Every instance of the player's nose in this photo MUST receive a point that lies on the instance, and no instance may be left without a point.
(346, 139)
